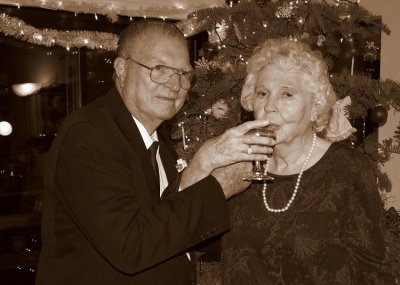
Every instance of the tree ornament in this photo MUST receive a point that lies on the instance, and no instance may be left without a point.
(397, 134)
(237, 32)
(204, 120)
(220, 109)
(204, 63)
(379, 115)
(192, 26)
(370, 51)
(265, 23)
(214, 74)
(320, 40)
(285, 11)
(218, 33)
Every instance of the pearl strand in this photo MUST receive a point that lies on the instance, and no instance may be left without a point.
(296, 188)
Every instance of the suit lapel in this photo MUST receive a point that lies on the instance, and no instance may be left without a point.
(126, 124)
(168, 160)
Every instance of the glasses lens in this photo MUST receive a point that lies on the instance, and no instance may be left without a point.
(188, 80)
(161, 74)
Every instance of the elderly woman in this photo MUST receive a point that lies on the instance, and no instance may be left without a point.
(320, 220)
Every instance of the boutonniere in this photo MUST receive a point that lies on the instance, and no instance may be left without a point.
(181, 164)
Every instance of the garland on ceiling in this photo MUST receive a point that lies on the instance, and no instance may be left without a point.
(11, 26)
(113, 10)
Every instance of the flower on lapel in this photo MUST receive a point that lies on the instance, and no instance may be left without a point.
(181, 164)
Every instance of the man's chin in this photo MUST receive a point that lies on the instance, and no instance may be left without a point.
(167, 114)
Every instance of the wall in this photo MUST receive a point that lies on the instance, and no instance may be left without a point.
(390, 69)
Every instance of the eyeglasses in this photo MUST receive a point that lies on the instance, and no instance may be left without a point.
(162, 74)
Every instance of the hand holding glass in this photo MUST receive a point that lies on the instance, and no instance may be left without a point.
(259, 173)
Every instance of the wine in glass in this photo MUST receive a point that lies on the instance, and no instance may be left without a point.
(259, 173)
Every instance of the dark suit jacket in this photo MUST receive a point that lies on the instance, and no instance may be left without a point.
(103, 221)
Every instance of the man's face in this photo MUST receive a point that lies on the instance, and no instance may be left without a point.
(152, 103)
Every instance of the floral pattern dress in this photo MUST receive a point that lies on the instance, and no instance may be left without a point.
(331, 234)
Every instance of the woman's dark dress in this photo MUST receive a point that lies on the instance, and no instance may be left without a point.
(331, 234)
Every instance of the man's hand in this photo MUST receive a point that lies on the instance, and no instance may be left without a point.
(231, 177)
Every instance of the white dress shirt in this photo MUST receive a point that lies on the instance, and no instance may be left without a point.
(148, 140)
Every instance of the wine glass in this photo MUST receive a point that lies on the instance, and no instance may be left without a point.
(259, 173)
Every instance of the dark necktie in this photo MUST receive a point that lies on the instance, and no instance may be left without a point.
(153, 152)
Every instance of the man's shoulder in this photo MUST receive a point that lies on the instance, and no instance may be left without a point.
(94, 112)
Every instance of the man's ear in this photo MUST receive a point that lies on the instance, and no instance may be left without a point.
(120, 70)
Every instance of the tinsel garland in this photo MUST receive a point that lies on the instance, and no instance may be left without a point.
(113, 10)
(17, 28)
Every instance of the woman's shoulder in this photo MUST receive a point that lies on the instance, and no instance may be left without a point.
(342, 154)
(345, 151)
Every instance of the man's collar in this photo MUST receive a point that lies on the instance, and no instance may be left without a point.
(147, 138)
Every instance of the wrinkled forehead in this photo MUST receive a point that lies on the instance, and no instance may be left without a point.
(163, 50)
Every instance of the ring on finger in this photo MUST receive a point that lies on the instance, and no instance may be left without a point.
(249, 150)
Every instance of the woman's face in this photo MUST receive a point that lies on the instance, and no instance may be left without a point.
(283, 99)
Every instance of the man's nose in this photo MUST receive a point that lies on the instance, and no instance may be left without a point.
(173, 82)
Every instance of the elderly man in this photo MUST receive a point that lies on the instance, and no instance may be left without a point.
(106, 217)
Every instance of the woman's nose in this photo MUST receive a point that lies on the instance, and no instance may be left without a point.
(270, 105)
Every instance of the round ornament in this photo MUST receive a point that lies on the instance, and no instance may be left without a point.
(379, 115)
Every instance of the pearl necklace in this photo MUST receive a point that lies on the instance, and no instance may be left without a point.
(295, 188)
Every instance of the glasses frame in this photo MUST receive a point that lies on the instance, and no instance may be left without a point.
(175, 71)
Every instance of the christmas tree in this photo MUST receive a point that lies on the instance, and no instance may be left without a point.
(235, 31)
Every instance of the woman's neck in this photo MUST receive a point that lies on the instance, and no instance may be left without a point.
(288, 158)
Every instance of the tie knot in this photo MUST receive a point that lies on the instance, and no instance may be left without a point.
(153, 149)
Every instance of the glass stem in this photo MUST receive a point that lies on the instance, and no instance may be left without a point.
(258, 167)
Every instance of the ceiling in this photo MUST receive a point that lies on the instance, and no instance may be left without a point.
(171, 9)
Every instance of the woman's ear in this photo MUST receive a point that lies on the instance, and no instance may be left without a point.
(314, 113)
(120, 70)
